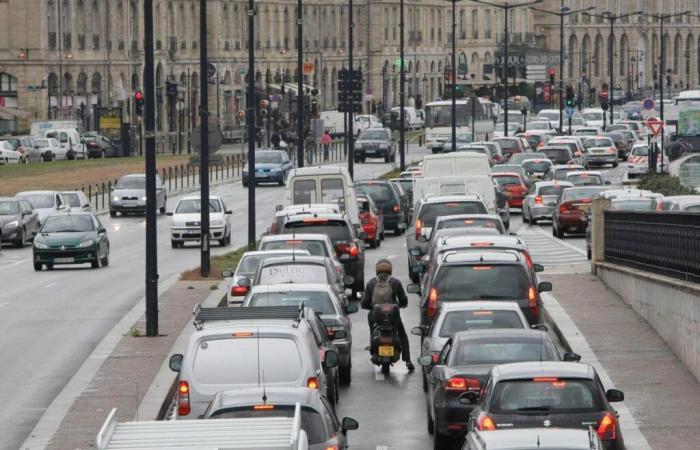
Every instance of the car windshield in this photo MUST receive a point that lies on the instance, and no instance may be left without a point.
(548, 394)
(336, 230)
(592, 115)
(381, 193)
(131, 183)
(293, 273)
(268, 157)
(509, 144)
(319, 301)
(508, 180)
(311, 421)
(551, 116)
(536, 166)
(379, 135)
(535, 139)
(500, 351)
(40, 200)
(560, 174)
(431, 211)
(599, 142)
(481, 282)
(585, 179)
(640, 151)
(480, 319)
(557, 154)
(511, 126)
(315, 248)
(9, 207)
(72, 199)
(578, 121)
(538, 126)
(67, 224)
(194, 206)
(554, 189)
(481, 222)
(571, 145)
(580, 194)
(520, 157)
(41, 143)
(509, 168)
(639, 204)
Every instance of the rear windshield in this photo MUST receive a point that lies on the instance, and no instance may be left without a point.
(508, 180)
(336, 230)
(311, 421)
(641, 204)
(545, 394)
(560, 174)
(380, 193)
(72, 199)
(579, 194)
(293, 273)
(535, 139)
(572, 146)
(557, 154)
(481, 222)
(536, 166)
(431, 211)
(249, 263)
(315, 248)
(599, 142)
(501, 351)
(550, 190)
(503, 282)
(318, 300)
(585, 179)
(509, 144)
(304, 191)
(39, 200)
(456, 321)
(226, 362)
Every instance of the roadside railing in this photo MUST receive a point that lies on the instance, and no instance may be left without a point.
(666, 243)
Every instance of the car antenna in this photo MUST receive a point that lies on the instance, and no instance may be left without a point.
(257, 335)
(538, 440)
(264, 397)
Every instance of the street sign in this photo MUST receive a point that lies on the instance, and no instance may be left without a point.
(655, 125)
(570, 111)
(649, 104)
(211, 70)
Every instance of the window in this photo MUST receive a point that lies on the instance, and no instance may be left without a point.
(545, 395)
(304, 191)
(501, 351)
(292, 273)
(320, 301)
(8, 83)
(456, 321)
(466, 282)
(332, 190)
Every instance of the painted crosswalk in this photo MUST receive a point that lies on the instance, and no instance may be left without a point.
(549, 250)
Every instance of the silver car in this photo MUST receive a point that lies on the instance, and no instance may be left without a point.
(45, 202)
(129, 195)
(77, 200)
(538, 204)
(453, 317)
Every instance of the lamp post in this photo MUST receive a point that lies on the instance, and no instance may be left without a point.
(506, 7)
(402, 92)
(686, 56)
(453, 75)
(564, 11)
(250, 121)
(300, 84)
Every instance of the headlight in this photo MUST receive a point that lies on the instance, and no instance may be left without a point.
(143, 198)
(85, 244)
(115, 198)
(178, 224)
(12, 224)
(39, 244)
(217, 223)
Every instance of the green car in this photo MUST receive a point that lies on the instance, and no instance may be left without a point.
(71, 238)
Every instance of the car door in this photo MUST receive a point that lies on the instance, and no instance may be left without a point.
(435, 380)
(30, 218)
(103, 240)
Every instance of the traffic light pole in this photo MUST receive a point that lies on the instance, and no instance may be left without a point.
(204, 150)
(350, 130)
(402, 92)
(300, 85)
(151, 225)
(250, 110)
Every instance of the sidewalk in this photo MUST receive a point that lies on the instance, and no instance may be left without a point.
(661, 394)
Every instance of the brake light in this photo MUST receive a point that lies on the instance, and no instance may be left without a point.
(263, 407)
(462, 384)
(607, 429)
(183, 398)
(485, 423)
(312, 383)
(432, 303)
(538, 199)
(242, 334)
(482, 313)
(293, 242)
(397, 208)
(482, 267)
(419, 228)
(332, 447)
(612, 150)
(563, 208)
(532, 297)
(239, 291)
(354, 250)
(315, 220)
(482, 244)
(545, 379)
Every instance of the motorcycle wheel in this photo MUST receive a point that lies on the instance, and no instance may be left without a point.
(385, 368)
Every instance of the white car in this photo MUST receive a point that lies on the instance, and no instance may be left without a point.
(45, 202)
(587, 131)
(638, 161)
(8, 154)
(50, 149)
(594, 117)
(538, 204)
(186, 225)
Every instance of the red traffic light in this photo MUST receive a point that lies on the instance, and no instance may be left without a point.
(552, 72)
(138, 96)
(264, 104)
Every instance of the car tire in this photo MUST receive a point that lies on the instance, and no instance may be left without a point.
(95, 264)
(162, 209)
(429, 421)
(345, 373)
(614, 164)
(281, 182)
(398, 231)
(38, 267)
(245, 183)
(558, 233)
(373, 243)
(387, 158)
(222, 241)
(174, 244)
(112, 213)
(425, 381)
(589, 253)
(49, 267)
(525, 218)
(381, 237)
(379, 243)
(19, 243)
(441, 442)
(533, 221)
(105, 260)
(332, 394)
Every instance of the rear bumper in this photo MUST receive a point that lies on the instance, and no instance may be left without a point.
(601, 159)
(541, 212)
(572, 223)
(451, 418)
(515, 202)
(392, 219)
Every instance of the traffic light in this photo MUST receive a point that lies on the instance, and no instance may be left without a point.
(458, 91)
(552, 73)
(570, 96)
(138, 101)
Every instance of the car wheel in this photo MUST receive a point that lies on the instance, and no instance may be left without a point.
(331, 394)
(281, 181)
(614, 164)
(379, 242)
(21, 239)
(558, 233)
(105, 260)
(373, 243)
(222, 241)
(425, 381)
(382, 235)
(49, 266)
(38, 266)
(162, 208)
(430, 423)
(386, 158)
(525, 218)
(441, 442)
(96, 263)
(112, 213)
(174, 244)
(345, 374)
(589, 253)
(245, 183)
(533, 221)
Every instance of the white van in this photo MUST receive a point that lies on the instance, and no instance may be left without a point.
(323, 184)
(334, 123)
(69, 139)
(459, 164)
(458, 185)
(413, 121)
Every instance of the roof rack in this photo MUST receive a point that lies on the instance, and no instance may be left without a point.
(201, 315)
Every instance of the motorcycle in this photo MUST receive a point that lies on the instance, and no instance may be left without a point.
(385, 348)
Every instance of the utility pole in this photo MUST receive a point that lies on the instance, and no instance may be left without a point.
(402, 92)
(350, 129)
(300, 86)
(204, 150)
(564, 11)
(151, 225)
(250, 110)
(454, 76)
(506, 7)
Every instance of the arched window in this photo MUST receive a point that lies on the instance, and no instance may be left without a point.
(82, 84)
(65, 25)
(95, 24)
(51, 23)
(96, 85)
(171, 21)
(135, 21)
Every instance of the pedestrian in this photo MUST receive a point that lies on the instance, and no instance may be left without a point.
(275, 139)
(310, 146)
(326, 142)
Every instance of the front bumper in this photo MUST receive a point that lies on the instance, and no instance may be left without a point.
(136, 206)
(187, 234)
(265, 177)
(372, 152)
(601, 159)
(68, 256)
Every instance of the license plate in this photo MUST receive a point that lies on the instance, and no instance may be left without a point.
(129, 204)
(386, 350)
(63, 260)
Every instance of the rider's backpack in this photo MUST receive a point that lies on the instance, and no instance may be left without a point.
(382, 293)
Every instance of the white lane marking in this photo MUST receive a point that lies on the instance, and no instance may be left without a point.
(382, 447)
(17, 263)
(49, 285)
(560, 241)
(4, 304)
(522, 229)
(379, 376)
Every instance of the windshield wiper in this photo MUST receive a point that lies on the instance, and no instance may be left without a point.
(69, 231)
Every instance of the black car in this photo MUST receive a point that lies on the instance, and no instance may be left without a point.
(463, 365)
(375, 143)
(19, 221)
(99, 146)
(386, 196)
(558, 154)
(547, 394)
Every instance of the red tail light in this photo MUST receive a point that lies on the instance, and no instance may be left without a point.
(345, 248)
(538, 200)
(432, 303)
(397, 208)
(532, 298)
(435, 357)
(183, 398)
(565, 208)
(528, 259)
(419, 228)
(485, 423)
(462, 384)
(239, 291)
(607, 429)
(312, 383)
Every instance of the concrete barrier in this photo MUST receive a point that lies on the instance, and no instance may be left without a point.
(670, 306)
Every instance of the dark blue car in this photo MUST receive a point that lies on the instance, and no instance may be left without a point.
(271, 166)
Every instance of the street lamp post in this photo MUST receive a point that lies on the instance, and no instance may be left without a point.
(506, 7)
(402, 93)
(453, 75)
(300, 85)
(250, 119)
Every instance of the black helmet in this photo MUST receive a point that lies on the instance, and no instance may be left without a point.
(384, 265)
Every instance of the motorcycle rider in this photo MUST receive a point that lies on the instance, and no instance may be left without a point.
(384, 285)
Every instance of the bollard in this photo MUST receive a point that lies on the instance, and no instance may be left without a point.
(170, 177)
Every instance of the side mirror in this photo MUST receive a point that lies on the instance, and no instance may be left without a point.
(61, 208)
(351, 309)
(413, 289)
(418, 268)
(228, 213)
(361, 235)
(340, 334)
(169, 213)
(538, 267)
(226, 274)
(418, 331)
(175, 362)
(468, 398)
(244, 282)
(607, 183)
(348, 280)
(544, 286)
(614, 395)
(539, 326)
(101, 230)
(331, 359)
(572, 357)
(425, 361)
(349, 424)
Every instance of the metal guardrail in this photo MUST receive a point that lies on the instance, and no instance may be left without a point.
(666, 243)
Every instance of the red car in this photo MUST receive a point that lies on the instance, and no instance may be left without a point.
(571, 211)
(514, 185)
(372, 221)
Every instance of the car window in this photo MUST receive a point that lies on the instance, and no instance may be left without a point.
(507, 180)
(640, 204)
(375, 135)
(315, 248)
(72, 199)
(431, 211)
(194, 206)
(292, 273)
(545, 394)
(456, 321)
(67, 224)
(336, 230)
(319, 301)
(585, 179)
(480, 222)
(481, 282)
(381, 193)
(640, 151)
(9, 207)
(536, 166)
(40, 200)
(560, 174)
(694, 208)
(551, 190)
(304, 191)
(26, 206)
(499, 351)
(132, 183)
(332, 190)
(227, 361)
(578, 194)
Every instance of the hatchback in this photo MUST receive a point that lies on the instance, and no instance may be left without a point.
(386, 196)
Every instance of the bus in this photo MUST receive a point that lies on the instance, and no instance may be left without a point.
(685, 101)
(438, 121)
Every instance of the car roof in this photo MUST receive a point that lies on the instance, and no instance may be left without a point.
(628, 194)
(482, 257)
(281, 251)
(72, 213)
(36, 192)
(566, 166)
(506, 333)
(565, 184)
(295, 237)
(536, 438)
(317, 216)
(536, 160)
(474, 241)
(479, 305)
(469, 216)
(373, 181)
(559, 369)
(4, 199)
(582, 172)
(314, 207)
(274, 395)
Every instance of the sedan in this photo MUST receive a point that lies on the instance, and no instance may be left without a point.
(186, 226)
(571, 210)
(600, 150)
(271, 166)
(539, 202)
(77, 200)
(8, 154)
(129, 195)
(18, 220)
(71, 238)
(99, 146)
(45, 202)
(536, 168)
